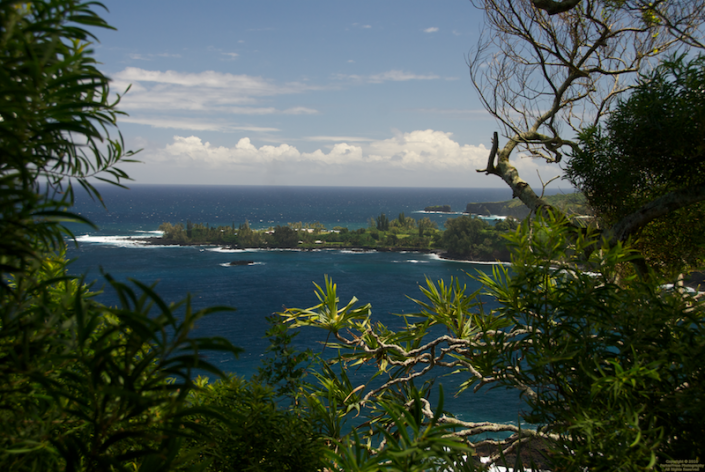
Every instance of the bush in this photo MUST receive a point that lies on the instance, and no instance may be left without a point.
(255, 434)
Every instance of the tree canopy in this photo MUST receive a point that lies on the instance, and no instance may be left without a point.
(83, 386)
(547, 77)
(651, 145)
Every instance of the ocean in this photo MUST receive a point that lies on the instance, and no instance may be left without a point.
(278, 278)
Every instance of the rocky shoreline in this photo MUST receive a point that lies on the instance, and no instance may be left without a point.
(440, 253)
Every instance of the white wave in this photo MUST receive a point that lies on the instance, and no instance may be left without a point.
(223, 249)
(120, 241)
(411, 261)
(440, 212)
(439, 258)
(350, 251)
(158, 233)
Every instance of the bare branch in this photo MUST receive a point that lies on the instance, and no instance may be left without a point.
(536, 71)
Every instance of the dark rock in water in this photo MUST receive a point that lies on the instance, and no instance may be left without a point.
(441, 208)
(242, 263)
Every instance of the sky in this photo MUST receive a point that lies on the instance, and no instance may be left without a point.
(311, 92)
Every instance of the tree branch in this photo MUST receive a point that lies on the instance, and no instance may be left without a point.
(656, 208)
(493, 153)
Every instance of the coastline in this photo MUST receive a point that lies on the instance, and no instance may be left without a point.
(437, 252)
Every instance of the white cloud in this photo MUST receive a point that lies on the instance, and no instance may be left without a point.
(149, 57)
(433, 29)
(423, 158)
(231, 55)
(419, 150)
(241, 83)
(337, 138)
(427, 149)
(300, 111)
(192, 124)
(366, 26)
(207, 91)
(389, 76)
(187, 151)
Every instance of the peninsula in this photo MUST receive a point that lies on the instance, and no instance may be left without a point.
(570, 204)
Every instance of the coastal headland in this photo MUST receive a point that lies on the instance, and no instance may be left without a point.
(467, 237)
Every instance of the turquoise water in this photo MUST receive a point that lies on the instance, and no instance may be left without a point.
(279, 278)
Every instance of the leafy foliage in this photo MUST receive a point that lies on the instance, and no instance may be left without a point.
(583, 342)
(569, 334)
(93, 387)
(652, 144)
(472, 238)
(55, 113)
(382, 222)
(83, 386)
(255, 433)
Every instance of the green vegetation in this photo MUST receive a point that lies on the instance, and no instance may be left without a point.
(474, 239)
(610, 368)
(443, 208)
(649, 148)
(464, 237)
(570, 204)
(84, 386)
(608, 360)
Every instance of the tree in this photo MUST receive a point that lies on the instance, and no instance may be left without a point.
(568, 333)
(82, 386)
(425, 224)
(582, 341)
(648, 148)
(42, 142)
(464, 236)
(382, 222)
(537, 73)
(258, 434)
(284, 236)
(403, 222)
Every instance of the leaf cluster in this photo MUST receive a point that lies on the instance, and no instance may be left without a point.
(609, 364)
(610, 367)
(653, 143)
(55, 116)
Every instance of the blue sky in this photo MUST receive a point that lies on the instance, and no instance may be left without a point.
(356, 93)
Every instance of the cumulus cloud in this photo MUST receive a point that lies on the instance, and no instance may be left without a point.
(417, 150)
(427, 149)
(193, 151)
(207, 91)
(432, 29)
(389, 76)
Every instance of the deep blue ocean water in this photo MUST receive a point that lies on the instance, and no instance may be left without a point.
(279, 278)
